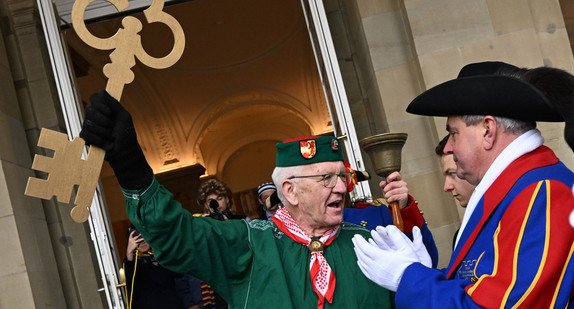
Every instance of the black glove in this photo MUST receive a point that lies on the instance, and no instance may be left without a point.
(108, 125)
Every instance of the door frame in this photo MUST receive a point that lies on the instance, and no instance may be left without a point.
(335, 94)
(99, 221)
(100, 227)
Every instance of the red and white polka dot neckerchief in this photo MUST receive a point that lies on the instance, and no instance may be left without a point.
(322, 276)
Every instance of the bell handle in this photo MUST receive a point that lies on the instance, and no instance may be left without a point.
(397, 218)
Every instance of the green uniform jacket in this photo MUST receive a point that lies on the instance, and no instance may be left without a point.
(251, 265)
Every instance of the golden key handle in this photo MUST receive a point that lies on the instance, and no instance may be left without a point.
(155, 14)
(126, 43)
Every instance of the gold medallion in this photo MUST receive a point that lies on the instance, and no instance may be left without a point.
(316, 246)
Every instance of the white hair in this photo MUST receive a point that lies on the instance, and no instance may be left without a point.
(282, 173)
(512, 126)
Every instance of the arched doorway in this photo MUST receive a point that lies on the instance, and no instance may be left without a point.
(250, 80)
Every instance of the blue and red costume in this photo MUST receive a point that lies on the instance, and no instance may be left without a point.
(516, 250)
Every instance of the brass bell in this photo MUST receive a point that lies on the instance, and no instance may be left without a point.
(385, 151)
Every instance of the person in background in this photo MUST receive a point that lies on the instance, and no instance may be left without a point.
(215, 197)
(148, 284)
(264, 193)
(558, 86)
(515, 245)
(460, 189)
(189, 290)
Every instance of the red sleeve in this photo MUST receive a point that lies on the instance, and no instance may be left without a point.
(412, 216)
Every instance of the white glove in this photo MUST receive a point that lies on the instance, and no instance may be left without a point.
(417, 243)
(420, 248)
(384, 263)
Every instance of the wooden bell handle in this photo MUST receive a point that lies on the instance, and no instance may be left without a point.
(397, 218)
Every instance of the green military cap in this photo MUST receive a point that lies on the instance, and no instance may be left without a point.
(308, 150)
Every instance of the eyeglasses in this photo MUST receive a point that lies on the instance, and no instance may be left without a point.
(330, 179)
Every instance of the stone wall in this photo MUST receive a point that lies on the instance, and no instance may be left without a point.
(391, 51)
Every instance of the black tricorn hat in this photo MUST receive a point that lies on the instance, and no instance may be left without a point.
(481, 90)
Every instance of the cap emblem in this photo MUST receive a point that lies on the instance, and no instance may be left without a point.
(335, 144)
(308, 148)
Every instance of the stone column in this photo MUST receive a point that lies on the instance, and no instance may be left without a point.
(46, 258)
(374, 40)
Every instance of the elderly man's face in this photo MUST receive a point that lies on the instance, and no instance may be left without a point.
(459, 188)
(320, 207)
(465, 143)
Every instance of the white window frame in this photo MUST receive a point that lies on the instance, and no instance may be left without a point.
(100, 231)
(334, 88)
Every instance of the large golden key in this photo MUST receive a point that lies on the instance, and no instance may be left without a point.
(66, 168)
(127, 44)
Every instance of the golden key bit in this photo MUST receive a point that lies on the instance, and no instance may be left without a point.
(66, 169)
